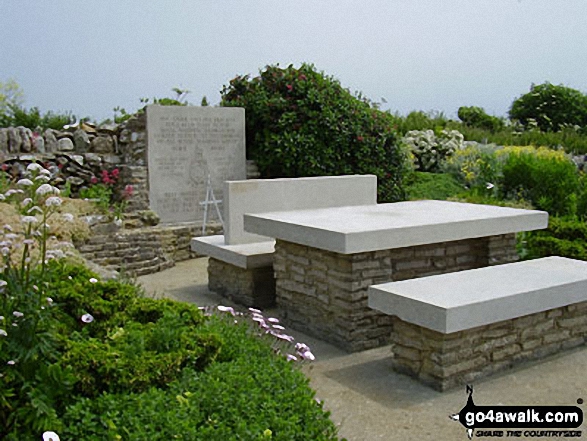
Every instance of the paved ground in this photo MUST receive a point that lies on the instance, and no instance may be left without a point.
(371, 402)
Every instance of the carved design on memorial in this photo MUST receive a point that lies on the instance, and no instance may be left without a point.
(185, 145)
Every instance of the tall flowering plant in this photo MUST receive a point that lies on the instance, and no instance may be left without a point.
(30, 379)
(102, 188)
(102, 192)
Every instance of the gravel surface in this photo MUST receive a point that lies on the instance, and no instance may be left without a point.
(369, 401)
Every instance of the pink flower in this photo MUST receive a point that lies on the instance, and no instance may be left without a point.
(302, 347)
(87, 318)
(94, 180)
(289, 87)
(285, 337)
(226, 309)
(128, 191)
(360, 138)
(307, 355)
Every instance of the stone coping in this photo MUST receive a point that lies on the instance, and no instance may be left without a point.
(463, 300)
(251, 255)
(349, 230)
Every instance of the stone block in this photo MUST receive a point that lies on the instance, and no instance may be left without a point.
(364, 228)
(270, 195)
(537, 329)
(179, 166)
(572, 322)
(464, 300)
(505, 352)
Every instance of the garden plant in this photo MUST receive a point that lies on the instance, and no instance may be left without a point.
(86, 359)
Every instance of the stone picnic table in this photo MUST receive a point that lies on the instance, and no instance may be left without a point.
(325, 259)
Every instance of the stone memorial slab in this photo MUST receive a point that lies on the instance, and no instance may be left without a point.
(185, 145)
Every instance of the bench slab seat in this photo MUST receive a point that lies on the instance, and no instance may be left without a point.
(451, 329)
(246, 255)
(463, 300)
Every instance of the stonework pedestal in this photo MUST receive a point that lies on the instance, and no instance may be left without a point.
(324, 293)
(252, 287)
(444, 361)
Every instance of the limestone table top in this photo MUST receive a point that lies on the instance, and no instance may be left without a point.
(363, 228)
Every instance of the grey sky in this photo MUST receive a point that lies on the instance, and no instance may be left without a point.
(90, 56)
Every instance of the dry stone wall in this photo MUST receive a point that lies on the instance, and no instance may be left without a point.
(325, 293)
(143, 250)
(444, 361)
(77, 156)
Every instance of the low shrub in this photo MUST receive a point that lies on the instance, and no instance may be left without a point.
(545, 177)
(106, 363)
(582, 196)
(251, 395)
(475, 166)
(137, 356)
(565, 237)
(439, 186)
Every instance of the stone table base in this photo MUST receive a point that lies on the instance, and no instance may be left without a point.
(324, 293)
(254, 287)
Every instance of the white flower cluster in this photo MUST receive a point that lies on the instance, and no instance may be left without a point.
(429, 149)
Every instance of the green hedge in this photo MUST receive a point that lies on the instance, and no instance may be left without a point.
(146, 369)
(254, 396)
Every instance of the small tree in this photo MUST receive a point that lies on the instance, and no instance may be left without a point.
(11, 96)
(300, 122)
(13, 113)
(550, 107)
(477, 117)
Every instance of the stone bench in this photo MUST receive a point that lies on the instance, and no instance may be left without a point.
(452, 329)
(241, 263)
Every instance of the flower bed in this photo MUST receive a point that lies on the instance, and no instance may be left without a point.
(86, 359)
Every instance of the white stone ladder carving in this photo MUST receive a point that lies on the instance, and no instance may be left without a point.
(210, 199)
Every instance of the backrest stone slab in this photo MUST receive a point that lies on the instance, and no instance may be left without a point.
(267, 195)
